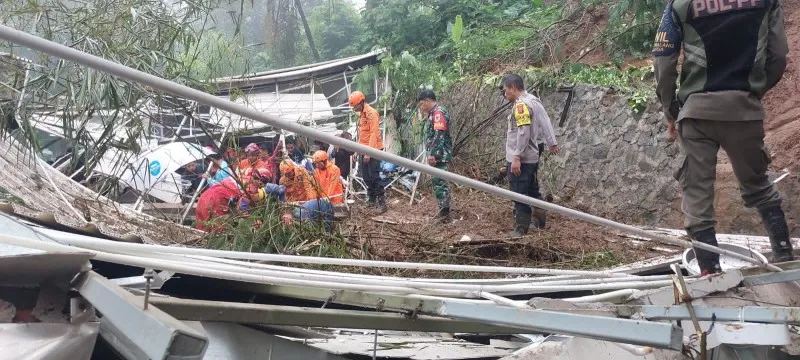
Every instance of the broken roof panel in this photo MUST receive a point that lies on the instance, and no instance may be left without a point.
(51, 197)
(418, 346)
(300, 72)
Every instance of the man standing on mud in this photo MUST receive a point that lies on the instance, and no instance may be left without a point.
(522, 151)
(439, 147)
(733, 54)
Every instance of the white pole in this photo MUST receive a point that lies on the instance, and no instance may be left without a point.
(311, 114)
(424, 287)
(58, 50)
(212, 273)
(86, 241)
(385, 106)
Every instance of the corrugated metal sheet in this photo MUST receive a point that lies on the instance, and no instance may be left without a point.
(300, 72)
(289, 107)
(41, 202)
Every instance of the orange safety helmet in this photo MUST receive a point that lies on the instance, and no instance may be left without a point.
(356, 98)
(320, 156)
(286, 166)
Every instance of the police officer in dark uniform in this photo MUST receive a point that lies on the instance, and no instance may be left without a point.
(734, 52)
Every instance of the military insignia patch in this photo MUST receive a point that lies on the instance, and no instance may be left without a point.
(439, 122)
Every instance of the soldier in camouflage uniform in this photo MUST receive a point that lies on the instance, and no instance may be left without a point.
(439, 147)
(734, 52)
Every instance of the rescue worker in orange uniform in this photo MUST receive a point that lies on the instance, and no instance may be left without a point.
(252, 162)
(297, 182)
(369, 134)
(328, 178)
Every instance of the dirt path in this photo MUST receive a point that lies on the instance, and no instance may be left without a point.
(783, 102)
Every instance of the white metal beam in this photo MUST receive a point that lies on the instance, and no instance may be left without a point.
(151, 333)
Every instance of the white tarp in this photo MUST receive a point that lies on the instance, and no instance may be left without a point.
(154, 171)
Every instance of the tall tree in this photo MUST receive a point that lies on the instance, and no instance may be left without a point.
(309, 36)
(284, 16)
(338, 29)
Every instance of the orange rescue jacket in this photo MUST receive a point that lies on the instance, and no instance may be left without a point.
(329, 182)
(369, 128)
(300, 188)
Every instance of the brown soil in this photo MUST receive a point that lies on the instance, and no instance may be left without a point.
(404, 234)
(783, 103)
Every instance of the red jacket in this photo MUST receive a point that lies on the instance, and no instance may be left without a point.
(214, 203)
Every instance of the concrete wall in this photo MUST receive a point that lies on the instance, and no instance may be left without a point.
(613, 162)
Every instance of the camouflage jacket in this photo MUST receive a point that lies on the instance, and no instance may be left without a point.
(438, 142)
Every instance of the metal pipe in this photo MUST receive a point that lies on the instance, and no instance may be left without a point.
(635, 350)
(422, 286)
(602, 297)
(183, 268)
(247, 264)
(503, 301)
(110, 67)
(311, 114)
(86, 241)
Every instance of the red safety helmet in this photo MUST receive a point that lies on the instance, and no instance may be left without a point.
(252, 148)
(262, 174)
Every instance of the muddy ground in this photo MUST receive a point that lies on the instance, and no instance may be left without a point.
(405, 234)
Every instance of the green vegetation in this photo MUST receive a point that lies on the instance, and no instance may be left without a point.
(263, 230)
(435, 44)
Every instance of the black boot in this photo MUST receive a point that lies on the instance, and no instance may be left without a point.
(522, 224)
(381, 205)
(539, 218)
(707, 261)
(371, 201)
(775, 223)
(442, 217)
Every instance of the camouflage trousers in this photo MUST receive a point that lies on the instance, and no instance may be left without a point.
(441, 188)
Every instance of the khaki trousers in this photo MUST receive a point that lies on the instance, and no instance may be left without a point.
(743, 141)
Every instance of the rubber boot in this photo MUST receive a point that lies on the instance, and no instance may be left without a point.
(371, 202)
(442, 217)
(707, 260)
(539, 218)
(523, 223)
(381, 205)
(775, 223)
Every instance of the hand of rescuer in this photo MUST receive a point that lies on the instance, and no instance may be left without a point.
(516, 166)
(287, 219)
(672, 131)
(554, 149)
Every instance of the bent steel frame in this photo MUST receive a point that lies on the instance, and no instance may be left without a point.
(141, 333)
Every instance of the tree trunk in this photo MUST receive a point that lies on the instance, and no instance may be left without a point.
(310, 38)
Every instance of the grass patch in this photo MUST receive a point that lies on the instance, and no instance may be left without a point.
(262, 230)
